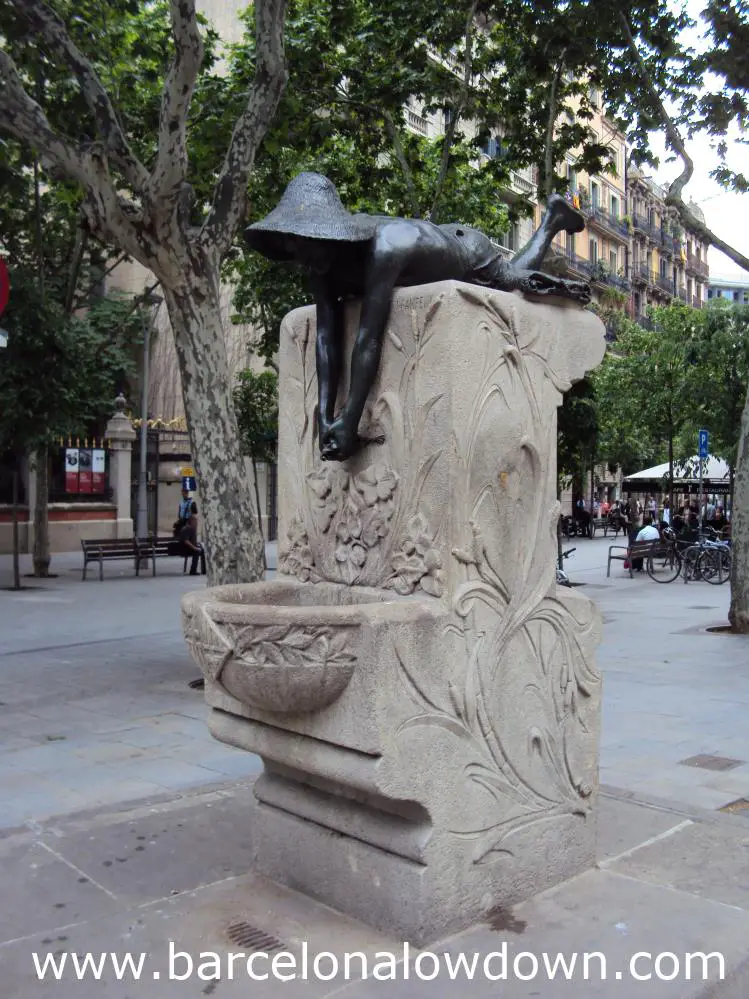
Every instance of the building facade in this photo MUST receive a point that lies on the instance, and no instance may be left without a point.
(667, 261)
(598, 254)
(729, 289)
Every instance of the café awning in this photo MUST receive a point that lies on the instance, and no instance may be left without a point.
(716, 477)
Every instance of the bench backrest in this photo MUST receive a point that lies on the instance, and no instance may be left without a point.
(155, 546)
(639, 547)
(108, 546)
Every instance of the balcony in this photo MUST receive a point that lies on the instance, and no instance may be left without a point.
(702, 268)
(416, 122)
(605, 220)
(682, 292)
(642, 273)
(640, 224)
(665, 284)
(666, 241)
(601, 273)
(573, 264)
(522, 184)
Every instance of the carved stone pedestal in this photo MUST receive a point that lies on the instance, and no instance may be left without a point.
(423, 697)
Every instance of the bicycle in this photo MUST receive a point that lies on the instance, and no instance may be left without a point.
(708, 559)
(664, 564)
(562, 578)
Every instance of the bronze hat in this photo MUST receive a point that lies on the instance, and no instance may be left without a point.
(310, 207)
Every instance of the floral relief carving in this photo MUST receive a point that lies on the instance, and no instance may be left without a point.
(417, 563)
(516, 707)
(297, 559)
(370, 527)
(287, 668)
(352, 512)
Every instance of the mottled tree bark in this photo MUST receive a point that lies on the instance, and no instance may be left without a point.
(234, 545)
(738, 615)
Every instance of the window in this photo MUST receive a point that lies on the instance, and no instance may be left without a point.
(709, 292)
(572, 178)
(570, 244)
(736, 296)
(594, 97)
(614, 206)
(613, 261)
(664, 272)
(595, 194)
(593, 251)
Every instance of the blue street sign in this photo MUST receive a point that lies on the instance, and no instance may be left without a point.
(704, 443)
(188, 483)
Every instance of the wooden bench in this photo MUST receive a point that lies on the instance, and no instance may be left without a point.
(636, 550)
(108, 550)
(606, 524)
(155, 548)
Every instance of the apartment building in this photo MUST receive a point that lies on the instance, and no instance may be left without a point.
(729, 289)
(599, 254)
(667, 261)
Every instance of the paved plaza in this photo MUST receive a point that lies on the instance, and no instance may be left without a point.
(124, 825)
(95, 706)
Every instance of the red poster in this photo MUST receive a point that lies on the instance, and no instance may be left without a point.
(71, 470)
(85, 472)
(98, 471)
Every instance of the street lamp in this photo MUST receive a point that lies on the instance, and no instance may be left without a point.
(153, 304)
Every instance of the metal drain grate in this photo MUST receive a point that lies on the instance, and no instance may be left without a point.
(738, 807)
(252, 938)
(707, 762)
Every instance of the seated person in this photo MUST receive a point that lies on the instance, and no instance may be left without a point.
(186, 507)
(189, 544)
(647, 533)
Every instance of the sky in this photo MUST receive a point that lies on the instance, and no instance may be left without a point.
(726, 213)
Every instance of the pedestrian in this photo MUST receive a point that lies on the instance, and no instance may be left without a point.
(667, 511)
(188, 538)
(652, 510)
(187, 508)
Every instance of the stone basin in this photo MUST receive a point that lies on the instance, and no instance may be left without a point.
(282, 646)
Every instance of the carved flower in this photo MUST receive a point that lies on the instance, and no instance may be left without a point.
(377, 483)
(298, 559)
(418, 563)
(300, 562)
(352, 555)
(327, 486)
(375, 525)
(349, 528)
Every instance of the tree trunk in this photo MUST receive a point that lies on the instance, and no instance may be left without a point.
(234, 545)
(41, 514)
(16, 539)
(738, 614)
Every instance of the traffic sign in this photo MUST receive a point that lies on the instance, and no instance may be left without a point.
(704, 443)
(188, 483)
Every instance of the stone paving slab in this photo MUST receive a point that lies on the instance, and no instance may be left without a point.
(176, 869)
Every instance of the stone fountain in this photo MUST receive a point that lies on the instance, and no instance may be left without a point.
(423, 697)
